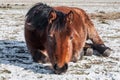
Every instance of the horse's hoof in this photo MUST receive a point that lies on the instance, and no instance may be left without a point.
(89, 52)
(107, 53)
(40, 59)
(45, 60)
(74, 59)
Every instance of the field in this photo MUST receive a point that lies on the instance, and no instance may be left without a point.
(16, 62)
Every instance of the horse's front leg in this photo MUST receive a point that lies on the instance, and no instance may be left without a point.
(98, 44)
(77, 55)
(39, 55)
(78, 51)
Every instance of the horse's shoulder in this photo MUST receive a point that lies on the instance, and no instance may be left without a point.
(85, 17)
(79, 11)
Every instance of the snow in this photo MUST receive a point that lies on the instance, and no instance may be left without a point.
(16, 63)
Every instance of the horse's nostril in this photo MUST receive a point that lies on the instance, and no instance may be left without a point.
(65, 67)
(55, 67)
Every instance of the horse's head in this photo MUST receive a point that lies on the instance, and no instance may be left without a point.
(59, 38)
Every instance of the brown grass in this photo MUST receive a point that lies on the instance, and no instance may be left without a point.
(105, 16)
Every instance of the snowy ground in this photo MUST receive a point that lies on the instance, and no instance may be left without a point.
(16, 63)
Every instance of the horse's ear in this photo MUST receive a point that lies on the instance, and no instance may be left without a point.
(52, 16)
(70, 17)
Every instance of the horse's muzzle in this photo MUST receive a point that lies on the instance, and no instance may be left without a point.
(58, 70)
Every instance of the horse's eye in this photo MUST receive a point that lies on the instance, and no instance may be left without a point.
(71, 37)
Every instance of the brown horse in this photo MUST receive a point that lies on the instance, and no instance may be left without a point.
(58, 34)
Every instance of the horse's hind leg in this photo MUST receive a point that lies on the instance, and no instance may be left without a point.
(88, 49)
(98, 44)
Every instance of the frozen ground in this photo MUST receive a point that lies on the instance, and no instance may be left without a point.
(16, 63)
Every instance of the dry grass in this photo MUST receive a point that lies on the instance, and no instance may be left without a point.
(105, 16)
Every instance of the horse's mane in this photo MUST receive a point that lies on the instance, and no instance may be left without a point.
(38, 15)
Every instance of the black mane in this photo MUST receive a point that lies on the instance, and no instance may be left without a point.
(38, 16)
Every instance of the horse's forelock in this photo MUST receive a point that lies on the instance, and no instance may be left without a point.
(59, 24)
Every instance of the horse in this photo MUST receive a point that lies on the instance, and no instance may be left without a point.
(58, 35)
